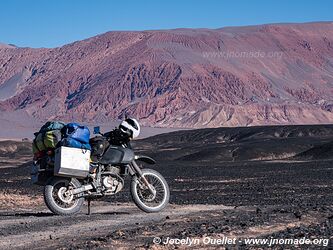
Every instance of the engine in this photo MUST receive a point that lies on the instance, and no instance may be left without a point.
(111, 181)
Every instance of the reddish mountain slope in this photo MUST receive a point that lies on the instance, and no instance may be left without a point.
(268, 74)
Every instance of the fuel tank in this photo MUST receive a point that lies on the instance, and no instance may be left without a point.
(117, 155)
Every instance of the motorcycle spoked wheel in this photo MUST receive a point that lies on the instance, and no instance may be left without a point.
(58, 201)
(142, 196)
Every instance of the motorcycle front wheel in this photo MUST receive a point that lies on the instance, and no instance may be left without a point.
(143, 197)
(57, 198)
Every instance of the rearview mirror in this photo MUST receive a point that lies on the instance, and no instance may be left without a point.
(97, 130)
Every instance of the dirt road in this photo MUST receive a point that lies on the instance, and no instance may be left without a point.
(31, 229)
(124, 226)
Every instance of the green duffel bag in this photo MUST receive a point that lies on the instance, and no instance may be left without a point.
(39, 142)
(51, 138)
(51, 126)
(34, 147)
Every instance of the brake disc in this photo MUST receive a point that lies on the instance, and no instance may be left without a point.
(147, 195)
(63, 197)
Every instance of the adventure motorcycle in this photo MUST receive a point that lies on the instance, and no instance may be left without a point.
(110, 165)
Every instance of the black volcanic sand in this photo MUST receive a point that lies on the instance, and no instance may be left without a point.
(247, 166)
(277, 182)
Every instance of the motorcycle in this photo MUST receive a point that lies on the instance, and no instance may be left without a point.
(65, 196)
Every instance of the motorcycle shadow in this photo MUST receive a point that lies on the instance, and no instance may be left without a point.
(111, 213)
(27, 214)
(49, 214)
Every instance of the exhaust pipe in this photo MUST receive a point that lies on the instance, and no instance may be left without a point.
(81, 189)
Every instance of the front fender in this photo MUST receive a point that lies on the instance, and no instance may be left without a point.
(145, 159)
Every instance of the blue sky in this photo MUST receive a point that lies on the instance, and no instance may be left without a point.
(37, 23)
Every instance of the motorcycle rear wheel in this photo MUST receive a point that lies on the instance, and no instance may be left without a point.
(56, 199)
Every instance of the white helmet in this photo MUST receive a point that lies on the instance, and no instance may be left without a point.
(131, 127)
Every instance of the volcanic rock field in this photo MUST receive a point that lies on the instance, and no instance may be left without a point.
(258, 182)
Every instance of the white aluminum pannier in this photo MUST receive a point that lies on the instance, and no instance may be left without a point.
(71, 162)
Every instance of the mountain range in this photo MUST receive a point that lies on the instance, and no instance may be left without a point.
(233, 76)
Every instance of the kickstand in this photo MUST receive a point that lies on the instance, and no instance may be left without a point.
(89, 200)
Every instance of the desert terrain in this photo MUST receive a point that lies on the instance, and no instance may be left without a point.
(256, 182)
